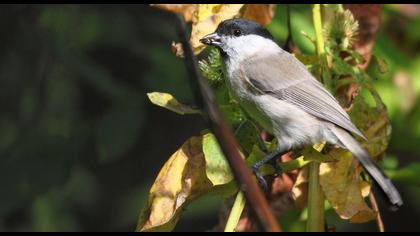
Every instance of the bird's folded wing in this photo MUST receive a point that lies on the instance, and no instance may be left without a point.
(282, 76)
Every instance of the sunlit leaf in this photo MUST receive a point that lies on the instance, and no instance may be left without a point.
(300, 189)
(187, 10)
(167, 101)
(181, 179)
(342, 187)
(197, 168)
(262, 13)
(217, 168)
(207, 18)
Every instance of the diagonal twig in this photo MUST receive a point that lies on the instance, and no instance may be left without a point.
(375, 208)
(243, 176)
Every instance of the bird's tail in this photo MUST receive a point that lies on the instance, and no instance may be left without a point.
(369, 164)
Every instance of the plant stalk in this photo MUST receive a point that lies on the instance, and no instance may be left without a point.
(315, 200)
(316, 221)
(235, 212)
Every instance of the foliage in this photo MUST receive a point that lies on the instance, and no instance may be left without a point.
(340, 179)
(80, 142)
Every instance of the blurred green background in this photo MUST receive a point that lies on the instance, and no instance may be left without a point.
(80, 144)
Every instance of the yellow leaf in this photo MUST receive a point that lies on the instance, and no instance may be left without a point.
(341, 185)
(262, 13)
(186, 9)
(181, 179)
(167, 101)
(300, 188)
(207, 18)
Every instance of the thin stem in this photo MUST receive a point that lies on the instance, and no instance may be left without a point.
(235, 212)
(320, 46)
(316, 16)
(374, 204)
(315, 200)
(315, 221)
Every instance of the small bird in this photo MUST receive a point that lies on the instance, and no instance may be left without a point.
(280, 94)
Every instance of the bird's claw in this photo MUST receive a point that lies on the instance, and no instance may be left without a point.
(277, 168)
(260, 178)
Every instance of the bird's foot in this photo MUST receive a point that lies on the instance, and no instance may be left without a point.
(262, 182)
(277, 168)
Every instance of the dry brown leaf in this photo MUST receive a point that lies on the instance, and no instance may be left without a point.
(262, 13)
(369, 18)
(342, 188)
(181, 179)
(207, 18)
(374, 123)
(177, 49)
(300, 188)
(186, 9)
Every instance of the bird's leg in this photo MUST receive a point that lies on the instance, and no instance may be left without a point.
(261, 144)
(270, 158)
(273, 162)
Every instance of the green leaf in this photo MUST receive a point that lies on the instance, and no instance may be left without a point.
(217, 168)
(247, 135)
(198, 167)
(167, 101)
(341, 67)
(233, 114)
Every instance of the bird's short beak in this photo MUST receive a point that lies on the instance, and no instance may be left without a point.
(211, 39)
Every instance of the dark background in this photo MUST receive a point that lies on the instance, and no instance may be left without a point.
(80, 144)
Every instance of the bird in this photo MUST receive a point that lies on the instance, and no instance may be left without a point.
(277, 91)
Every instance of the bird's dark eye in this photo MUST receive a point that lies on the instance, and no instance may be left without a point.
(237, 32)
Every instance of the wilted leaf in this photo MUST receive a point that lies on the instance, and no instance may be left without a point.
(197, 168)
(177, 49)
(217, 168)
(181, 179)
(167, 101)
(207, 18)
(342, 188)
(262, 13)
(310, 154)
(374, 123)
(187, 10)
(300, 188)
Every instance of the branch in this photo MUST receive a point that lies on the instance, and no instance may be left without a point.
(374, 204)
(224, 135)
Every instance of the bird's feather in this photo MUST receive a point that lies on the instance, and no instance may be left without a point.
(294, 84)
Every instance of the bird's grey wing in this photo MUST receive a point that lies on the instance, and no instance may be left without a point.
(282, 76)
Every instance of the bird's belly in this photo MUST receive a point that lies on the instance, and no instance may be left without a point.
(292, 126)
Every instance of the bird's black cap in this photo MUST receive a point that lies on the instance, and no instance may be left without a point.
(240, 26)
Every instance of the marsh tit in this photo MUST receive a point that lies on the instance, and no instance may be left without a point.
(280, 94)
